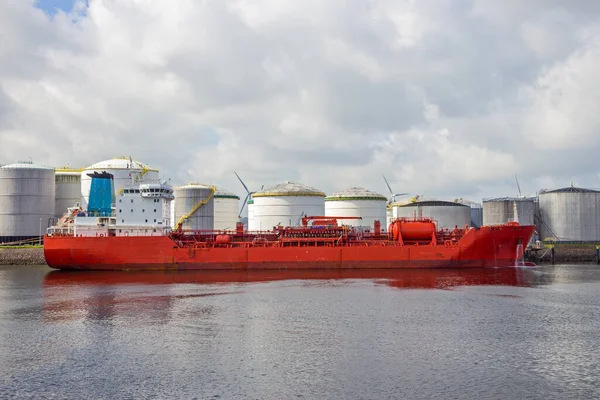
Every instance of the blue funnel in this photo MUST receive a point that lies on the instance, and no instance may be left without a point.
(102, 194)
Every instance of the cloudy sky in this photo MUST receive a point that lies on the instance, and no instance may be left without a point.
(449, 98)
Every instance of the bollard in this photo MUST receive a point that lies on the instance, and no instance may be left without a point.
(552, 255)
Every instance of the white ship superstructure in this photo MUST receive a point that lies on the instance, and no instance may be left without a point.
(138, 210)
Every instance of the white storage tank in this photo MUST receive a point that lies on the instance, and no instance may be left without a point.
(125, 171)
(357, 202)
(570, 214)
(447, 214)
(389, 215)
(476, 211)
(195, 206)
(227, 207)
(27, 194)
(501, 210)
(284, 204)
(172, 205)
(68, 189)
(476, 215)
(250, 210)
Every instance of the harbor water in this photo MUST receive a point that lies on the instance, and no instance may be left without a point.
(522, 333)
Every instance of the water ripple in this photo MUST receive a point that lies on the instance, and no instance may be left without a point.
(514, 333)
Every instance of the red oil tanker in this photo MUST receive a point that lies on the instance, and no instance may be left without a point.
(105, 237)
(409, 243)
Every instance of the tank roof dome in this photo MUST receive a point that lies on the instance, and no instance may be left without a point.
(223, 193)
(120, 163)
(509, 199)
(570, 189)
(195, 185)
(67, 170)
(288, 188)
(431, 203)
(355, 193)
(25, 165)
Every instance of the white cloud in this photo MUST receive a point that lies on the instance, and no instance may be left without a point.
(446, 98)
(564, 102)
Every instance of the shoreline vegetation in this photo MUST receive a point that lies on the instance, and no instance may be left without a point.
(34, 255)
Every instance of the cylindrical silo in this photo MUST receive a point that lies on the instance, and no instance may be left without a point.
(389, 215)
(125, 172)
(68, 190)
(284, 204)
(476, 210)
(357, 202)
(447, 214)
(227, 207)
(195, 206)
(172, 207)
(250, 209)
(476, 215)
(569, 214)
(26, 200)
(501, 210)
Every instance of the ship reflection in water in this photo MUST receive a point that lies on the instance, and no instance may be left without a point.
(105, 294)
(509, 333)
(404, 278)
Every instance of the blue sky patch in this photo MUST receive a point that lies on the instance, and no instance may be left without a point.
(51, 6)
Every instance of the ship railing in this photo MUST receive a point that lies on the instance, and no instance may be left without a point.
(375, 242)
(310, 240)
(60, 231)
(306, 242)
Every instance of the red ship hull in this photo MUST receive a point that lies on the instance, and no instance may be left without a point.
(483, 247)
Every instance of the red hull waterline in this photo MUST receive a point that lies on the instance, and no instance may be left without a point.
(489, 246)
